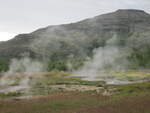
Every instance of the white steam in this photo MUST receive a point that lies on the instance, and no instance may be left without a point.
(105, 59)
(20, 74)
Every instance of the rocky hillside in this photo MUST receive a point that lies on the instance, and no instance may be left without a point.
(78, 40)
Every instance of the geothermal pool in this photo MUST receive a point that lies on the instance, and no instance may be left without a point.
(109, 80)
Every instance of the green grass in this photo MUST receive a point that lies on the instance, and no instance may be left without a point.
(59, 78)
(84, 102)
(11, 94)
(133, 75)
(41, 86)
(130, 98)
(133, 89)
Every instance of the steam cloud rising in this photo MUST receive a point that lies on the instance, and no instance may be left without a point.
(20, 74)
(105, 59)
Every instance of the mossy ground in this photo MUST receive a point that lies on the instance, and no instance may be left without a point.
(130, 98)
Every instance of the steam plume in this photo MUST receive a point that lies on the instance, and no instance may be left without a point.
(20, 73)
(105, 59)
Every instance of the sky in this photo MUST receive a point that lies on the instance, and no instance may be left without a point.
(25, 16)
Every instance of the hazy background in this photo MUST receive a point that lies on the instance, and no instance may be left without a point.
(23, 16)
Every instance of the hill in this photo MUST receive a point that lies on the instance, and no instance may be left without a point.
(78, 40)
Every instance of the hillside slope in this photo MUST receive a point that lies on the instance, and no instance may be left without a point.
(78, 40)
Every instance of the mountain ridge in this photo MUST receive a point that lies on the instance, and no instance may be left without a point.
(78, 39)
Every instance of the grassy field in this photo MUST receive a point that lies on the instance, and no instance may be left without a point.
(100, 98)
(133, 98)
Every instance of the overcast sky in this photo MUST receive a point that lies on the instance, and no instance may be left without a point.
(23, 16)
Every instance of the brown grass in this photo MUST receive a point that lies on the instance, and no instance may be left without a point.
(73, 102)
